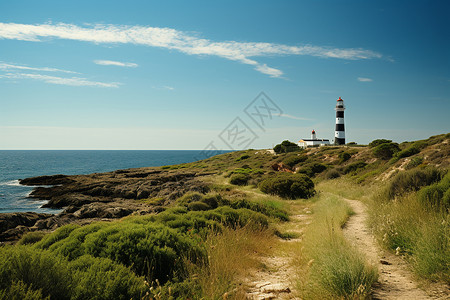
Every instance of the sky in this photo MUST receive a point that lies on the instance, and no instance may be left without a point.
(220, 74)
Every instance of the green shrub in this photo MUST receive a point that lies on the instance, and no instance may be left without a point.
(31, 237)
(239, 179)
(415, 161)
(332, 174)
(292, 160)
(407, 152)
(286, 185)
(243, 157)
(21, 291)
(344, 156)
(437, 195)
(411, 180)
(353, 167)
(312, 169)
(385, 150)
(101, 278)
(285, 147)
(198, 205)
(37, 270)
(378, 142)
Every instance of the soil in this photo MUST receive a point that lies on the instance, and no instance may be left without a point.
(276, 279)
(395, 280)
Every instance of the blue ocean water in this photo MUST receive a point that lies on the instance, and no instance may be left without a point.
(19, 164)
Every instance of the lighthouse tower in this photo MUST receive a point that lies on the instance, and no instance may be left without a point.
(313, 135)
(339, 133)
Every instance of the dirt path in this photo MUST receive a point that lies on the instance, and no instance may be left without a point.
(276, 277)
(395, 280)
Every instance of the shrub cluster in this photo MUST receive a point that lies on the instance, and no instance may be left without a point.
(287, 185)
(311, 169)
(285, 147)
(378, 142)
(292, 160)
(437, 195)
(412, 180)
(385, 150)
(239, 179)
(344, 156)
(354, 167)
(212, 201)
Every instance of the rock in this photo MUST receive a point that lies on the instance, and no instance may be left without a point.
(12, 220)
(276, 288)
(46, 180)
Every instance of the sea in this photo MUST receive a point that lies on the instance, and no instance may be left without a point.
(20, 164)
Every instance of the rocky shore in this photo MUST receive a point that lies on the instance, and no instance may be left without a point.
(99, 196)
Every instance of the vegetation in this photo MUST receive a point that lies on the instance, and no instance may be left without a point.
(201, 244)
(330, 267)
(239, 179)
(290, 186)
(385, 150)
(285, 147)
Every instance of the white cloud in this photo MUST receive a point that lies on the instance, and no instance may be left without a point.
(5, 66)
(364, 79)
(115, 63)
(269, 71)
(72, 81)
(293, 117)
(164, 87)
(177, 40)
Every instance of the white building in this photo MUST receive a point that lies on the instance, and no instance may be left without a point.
(313, 141)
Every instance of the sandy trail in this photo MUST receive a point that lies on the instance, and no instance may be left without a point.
(276, 279)
(395, 280)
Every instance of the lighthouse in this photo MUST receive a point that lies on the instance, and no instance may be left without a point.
(339, 133)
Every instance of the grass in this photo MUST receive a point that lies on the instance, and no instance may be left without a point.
(330, 268)
(421, 235)
(231, 254)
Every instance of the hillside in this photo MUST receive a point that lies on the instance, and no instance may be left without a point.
(245, 224)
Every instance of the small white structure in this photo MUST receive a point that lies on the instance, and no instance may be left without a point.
(313, 141)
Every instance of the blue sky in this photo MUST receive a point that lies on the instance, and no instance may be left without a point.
(177, 74)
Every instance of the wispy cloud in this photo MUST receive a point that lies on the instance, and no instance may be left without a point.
(164, 87)
(178, 40)
(364, 79)
(5, 66)
(72, 81)
(293, 117)
(115, 63)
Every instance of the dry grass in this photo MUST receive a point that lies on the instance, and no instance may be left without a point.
(231, 255)
(329, 267)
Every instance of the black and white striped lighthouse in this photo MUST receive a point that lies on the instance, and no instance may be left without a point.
(339, 133)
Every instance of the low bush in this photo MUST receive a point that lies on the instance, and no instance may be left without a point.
(385, 150)
(239, 179)
(353, 167)
(414, 162)
(411, 180)
(437, 195)
(31, 237)
(243, 157)
(332, 174)
(292, 160)
(148, 248)
(344, 156)
(311, 169)
(378, 142)
(287, 185)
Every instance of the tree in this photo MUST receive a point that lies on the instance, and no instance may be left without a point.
(285, 147)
